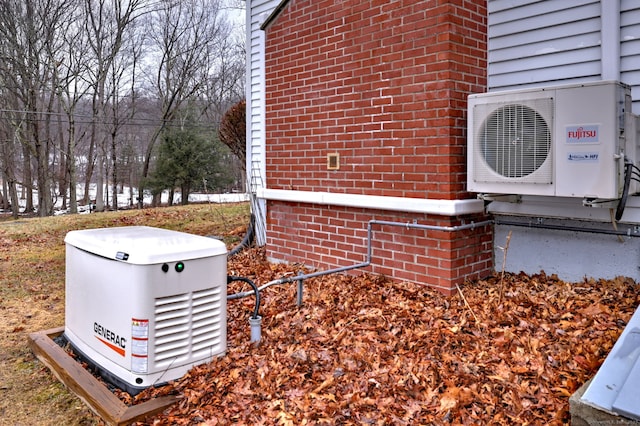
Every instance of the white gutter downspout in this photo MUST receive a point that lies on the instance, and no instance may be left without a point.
(401, 204)
(610, 40)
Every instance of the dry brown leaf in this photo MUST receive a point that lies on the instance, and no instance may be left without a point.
(362, 350)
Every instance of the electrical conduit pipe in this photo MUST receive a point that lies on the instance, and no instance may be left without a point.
(367, 262)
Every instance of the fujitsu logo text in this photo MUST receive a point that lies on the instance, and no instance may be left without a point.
(580, 133)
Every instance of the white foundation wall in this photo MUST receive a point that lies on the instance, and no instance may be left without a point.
(561, 237)
(572, 256)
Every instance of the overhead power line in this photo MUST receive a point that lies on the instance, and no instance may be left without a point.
(89, 119)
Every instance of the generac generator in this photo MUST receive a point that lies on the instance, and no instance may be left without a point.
(144, 305)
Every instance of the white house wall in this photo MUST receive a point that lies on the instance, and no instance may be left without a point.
(630, 48)
(539, 43)
(257, 13)
(533, 43)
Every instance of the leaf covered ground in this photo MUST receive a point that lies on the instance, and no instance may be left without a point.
(366, 350)
(361, 349)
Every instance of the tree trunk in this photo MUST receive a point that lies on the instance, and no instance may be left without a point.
(27, 179)
(4, 201)
(185, 190)
(100, 183)
(13, 197)
(71, 166)
(114, 173)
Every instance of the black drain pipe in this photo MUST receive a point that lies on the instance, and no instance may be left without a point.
(628, 171)
(255, 321)
(248, 238)
(256, 291)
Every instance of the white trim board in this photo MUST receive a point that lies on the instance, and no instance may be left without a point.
(409, 205)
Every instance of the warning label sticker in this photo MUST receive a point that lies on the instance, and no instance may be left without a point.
(139, 345)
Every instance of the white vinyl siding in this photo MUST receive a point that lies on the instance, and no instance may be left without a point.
(630, 48)
(257, 12)
(536, 43)
(533, 43)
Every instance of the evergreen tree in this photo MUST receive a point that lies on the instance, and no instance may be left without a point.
(186, 160)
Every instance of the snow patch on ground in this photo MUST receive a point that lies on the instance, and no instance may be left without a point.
(124, 199)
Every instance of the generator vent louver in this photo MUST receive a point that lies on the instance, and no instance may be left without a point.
(514, 141)
(186, 325)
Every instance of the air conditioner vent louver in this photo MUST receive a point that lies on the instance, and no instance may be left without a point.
(514, 140)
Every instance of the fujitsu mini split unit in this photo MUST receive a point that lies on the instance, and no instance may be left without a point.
(143, 304)
(566, 141)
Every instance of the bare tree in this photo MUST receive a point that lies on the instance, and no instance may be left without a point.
(74, 101)
(71, 75)
(30, 29)
(121, 103)
(107, 23)
(7, 164)
(226, 79)
(187, 38)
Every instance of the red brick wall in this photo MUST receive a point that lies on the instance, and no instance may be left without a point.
(323, 237)
(383, 84)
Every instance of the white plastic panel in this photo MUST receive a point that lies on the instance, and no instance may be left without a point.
(614, 388)
(628, 401)
(143, 245)
(588, 144)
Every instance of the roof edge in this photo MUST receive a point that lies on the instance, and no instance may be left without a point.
(279, 8)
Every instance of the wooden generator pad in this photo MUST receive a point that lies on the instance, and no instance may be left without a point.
(87, 387)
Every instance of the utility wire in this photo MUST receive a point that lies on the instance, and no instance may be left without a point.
(87, 119)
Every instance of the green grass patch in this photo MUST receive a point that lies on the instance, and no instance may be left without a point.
(32, 276)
